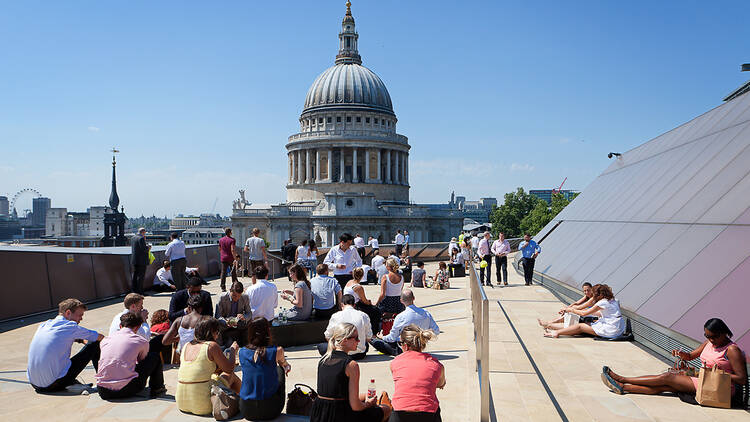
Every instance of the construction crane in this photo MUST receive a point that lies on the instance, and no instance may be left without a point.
(214, 207)
(561, 185)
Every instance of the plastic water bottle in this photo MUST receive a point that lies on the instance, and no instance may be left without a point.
(371, 391)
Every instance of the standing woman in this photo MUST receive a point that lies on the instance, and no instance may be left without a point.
(300, 255)
(339, 399)
(312, 257)
(391, 285)
(416, 376)
(361, 302)
(301, 297)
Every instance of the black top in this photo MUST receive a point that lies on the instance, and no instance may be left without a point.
(139, 251)
(179, 300)
(332, 380)
(287, 252)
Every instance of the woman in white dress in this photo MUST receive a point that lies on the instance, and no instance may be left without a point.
(611, 324)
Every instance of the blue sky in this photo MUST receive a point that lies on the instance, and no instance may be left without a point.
(201, 96)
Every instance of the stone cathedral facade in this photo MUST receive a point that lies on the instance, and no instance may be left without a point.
(348, 167)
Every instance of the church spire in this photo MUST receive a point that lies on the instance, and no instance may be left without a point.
(114, 200)
(348, 53)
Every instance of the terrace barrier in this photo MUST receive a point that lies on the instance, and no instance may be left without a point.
(480, 313)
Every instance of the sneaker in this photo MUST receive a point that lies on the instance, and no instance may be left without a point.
(78, 388)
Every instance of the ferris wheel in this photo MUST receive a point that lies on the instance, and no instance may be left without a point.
(22, 193)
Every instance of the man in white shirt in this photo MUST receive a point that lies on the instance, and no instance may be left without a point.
(358, 319)
(378, 264)
(485, 254)
(133, 303)
(263, 295)
(399, 241)
(373, 242)
(474, 245)
(343, 258)
(501, 249)
(359, 243)
(175, 253)
(411, 315)
(163, 278)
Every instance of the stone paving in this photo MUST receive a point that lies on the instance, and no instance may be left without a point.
(569, 366)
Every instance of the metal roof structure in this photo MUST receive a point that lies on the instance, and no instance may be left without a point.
(667, 226)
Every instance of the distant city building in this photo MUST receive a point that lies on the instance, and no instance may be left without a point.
(4, 206)
(479, 211)
(181, 222)
(39, 211)
(546, 194)
(10, 228)
(56, 222)
(202, 236)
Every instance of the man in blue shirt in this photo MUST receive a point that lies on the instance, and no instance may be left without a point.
(529, 250)
(411, 315)
(175, 253)
(326, 293)
(50, 366)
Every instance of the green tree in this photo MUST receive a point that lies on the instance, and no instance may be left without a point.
(507, 217)
(542, 214)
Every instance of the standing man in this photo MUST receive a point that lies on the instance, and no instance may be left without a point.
(474, 246)
(255, 247)
(501, 249)
(359, 243)
(343, 258)
(373, 242)
(175, 253)
(406, 241)
(485, 254)
(529, 250)
(399, 241)
(228, 253)
(287, 256)
(139, 258)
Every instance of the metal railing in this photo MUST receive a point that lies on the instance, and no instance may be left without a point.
(480, 312)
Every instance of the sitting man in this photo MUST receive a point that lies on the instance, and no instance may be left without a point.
(233, 312)
(262, 295)
(133, 303)
(586, 301)
(411, 315)
(178, 303)
(326, 292)
(358, 319)
(50, 366)
(126, 362)
(163, 278)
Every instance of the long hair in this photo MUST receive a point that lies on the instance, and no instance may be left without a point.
(299, 273)
(258, 337)
(340, 333)
(416, 338)
(603, 291)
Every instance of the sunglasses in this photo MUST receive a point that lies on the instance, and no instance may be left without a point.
(711, 336)
(353, 338)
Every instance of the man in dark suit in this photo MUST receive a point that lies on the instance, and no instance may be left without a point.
(233, 312)
(178, 303)
(287, 255)
(139, 259)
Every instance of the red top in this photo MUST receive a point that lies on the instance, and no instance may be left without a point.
(160, 328)
(415, 378)
(225, 245)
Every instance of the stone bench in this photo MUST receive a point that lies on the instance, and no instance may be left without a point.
(298, 333)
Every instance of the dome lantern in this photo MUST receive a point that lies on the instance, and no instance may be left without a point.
(348, 36)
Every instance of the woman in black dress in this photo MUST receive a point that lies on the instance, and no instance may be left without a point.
(338, 384)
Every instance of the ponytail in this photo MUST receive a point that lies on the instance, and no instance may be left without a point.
(416, 338)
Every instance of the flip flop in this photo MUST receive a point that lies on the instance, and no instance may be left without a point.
(612, 384)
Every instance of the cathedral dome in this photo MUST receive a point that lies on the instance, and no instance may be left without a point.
(348, 84)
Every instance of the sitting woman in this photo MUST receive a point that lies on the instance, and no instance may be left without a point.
(203, 364)
(263, 374)
(610, 325)
(301, 297)
(339, 399)
(361, 302)
(442, 278)
(160, 322)
(391, 285)
(416, 376)
(718, 350)
(586, 301)
(182, 330)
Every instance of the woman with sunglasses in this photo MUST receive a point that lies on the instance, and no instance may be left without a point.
(416, 376)
(339, 399)
(718, 350)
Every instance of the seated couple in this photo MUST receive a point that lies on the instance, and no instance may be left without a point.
(611, 324)
(718, 350)
(585, 302)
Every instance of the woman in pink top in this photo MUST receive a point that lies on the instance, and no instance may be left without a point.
(718, 350)
(416, 376)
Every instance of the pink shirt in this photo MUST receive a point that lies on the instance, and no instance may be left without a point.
(484, 247)
(415, 378)
(119, 354)
(500, 246)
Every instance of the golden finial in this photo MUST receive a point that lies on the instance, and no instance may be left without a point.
(348, 7)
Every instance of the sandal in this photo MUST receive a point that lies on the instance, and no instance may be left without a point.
(612, 384)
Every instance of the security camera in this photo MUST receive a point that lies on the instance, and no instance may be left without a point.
(613, 154)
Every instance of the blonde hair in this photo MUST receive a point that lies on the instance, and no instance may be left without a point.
(358, 273)
(415, 337)
(391, 264)
(340, 333)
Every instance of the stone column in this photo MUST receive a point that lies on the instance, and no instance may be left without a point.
(341, 166)
(397, 179)
(406, 168)
(354, 165)
(300, 168)
(308, 167)
(380, 176)
(367, 165)
(294, 168)
(330, 165)
(388, 166)
(291, 167)
(317, 165)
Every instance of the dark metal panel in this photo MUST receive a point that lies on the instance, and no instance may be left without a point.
(112, 275)
(71, 278)
(25, 284)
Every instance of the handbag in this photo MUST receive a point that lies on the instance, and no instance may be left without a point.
(225, 404)
(151, 258)
(714, 388)
(299, 402)
(680, 367)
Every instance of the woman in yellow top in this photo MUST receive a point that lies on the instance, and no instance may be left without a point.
(202, 363)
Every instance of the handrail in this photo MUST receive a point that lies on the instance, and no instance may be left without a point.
(480, 312)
